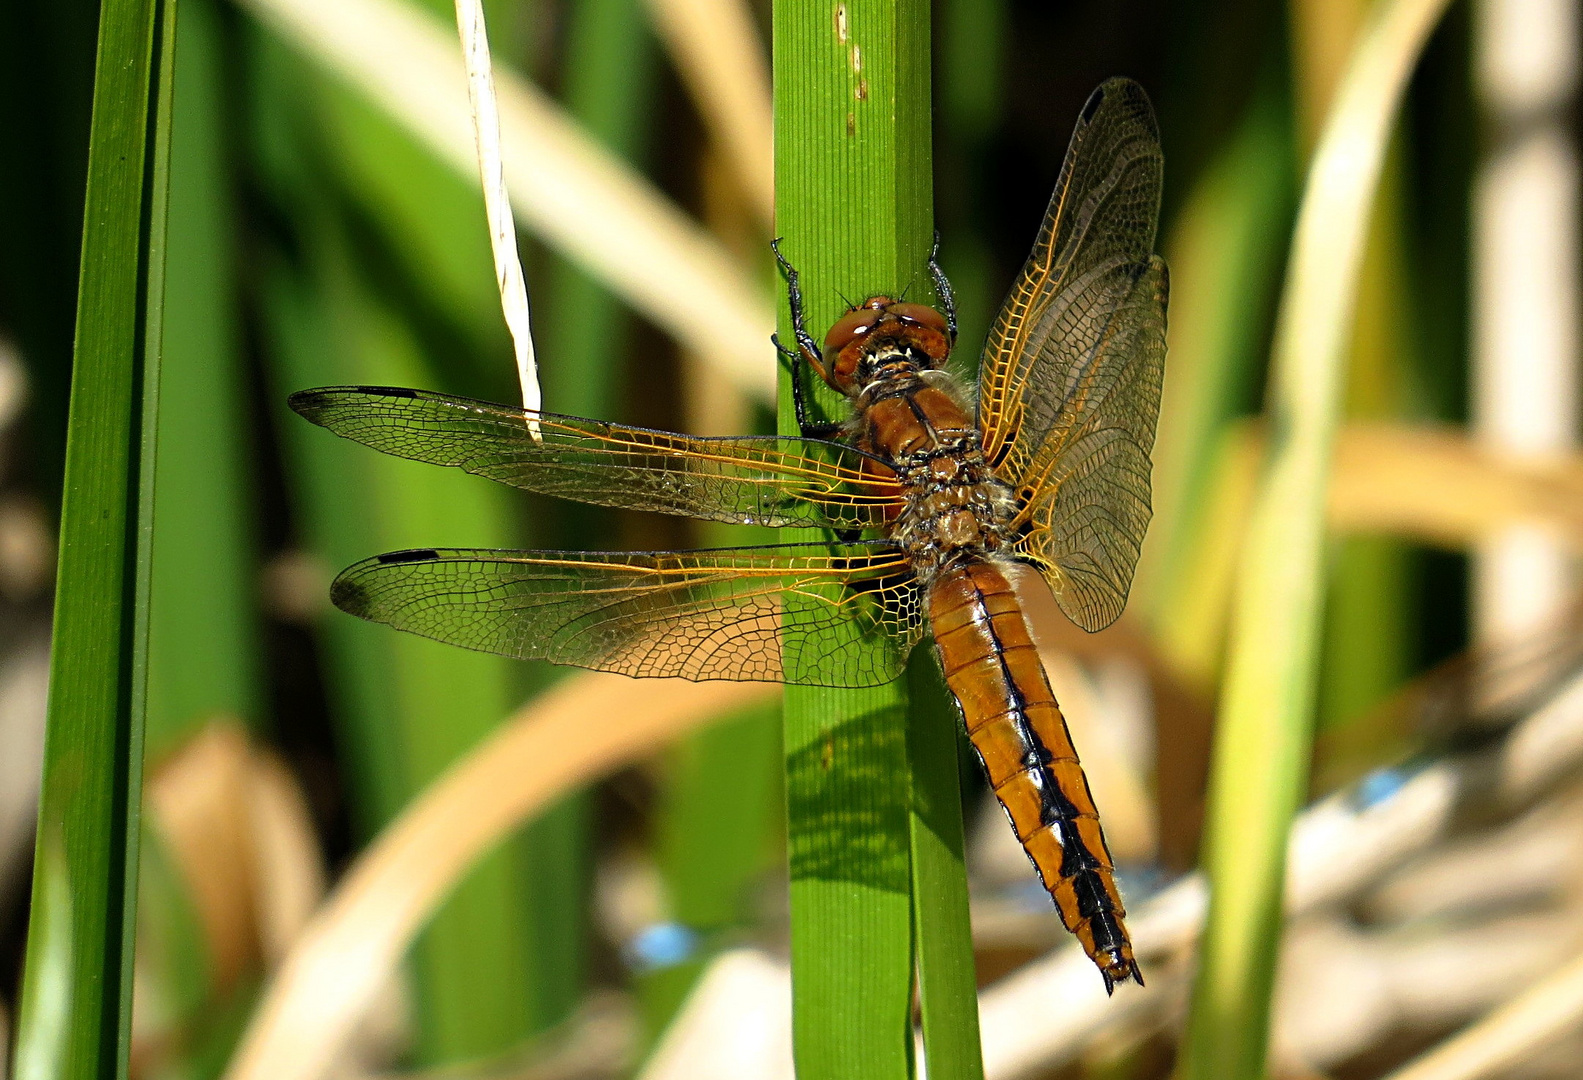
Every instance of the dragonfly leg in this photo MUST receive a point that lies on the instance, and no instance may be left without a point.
(805, 424)
(805, 340)
(942, 286)
(806, 353)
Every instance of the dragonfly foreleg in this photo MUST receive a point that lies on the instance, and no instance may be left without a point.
(806, 353)
(805, 340)
(805, 423)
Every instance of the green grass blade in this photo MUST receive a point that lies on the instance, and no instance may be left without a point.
(947, 976)
(425, 215)
(407, 707)
(853, 190)
(1263, 739)
(847, 834)
(719, 809)
(1367, 645)
(582, 333)
(203, 641)
(611, 68)
(720, 805)
(970, 93)
(75, 1021)
(1225, 254)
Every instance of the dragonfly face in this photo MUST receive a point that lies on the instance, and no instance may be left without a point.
(931, 499)
(879, 327)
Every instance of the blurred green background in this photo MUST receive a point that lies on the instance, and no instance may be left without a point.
(315, 240)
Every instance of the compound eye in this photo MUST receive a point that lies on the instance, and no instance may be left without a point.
(849, 328)
(921, 315)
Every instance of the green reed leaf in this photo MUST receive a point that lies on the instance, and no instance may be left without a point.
(75, 1021)
(853, 204)
(947, 975)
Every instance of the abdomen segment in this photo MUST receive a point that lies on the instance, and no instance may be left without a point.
(992, 667)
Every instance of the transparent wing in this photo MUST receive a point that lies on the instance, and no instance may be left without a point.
(793, 613)
(764, 481)
(1096, 239)
(1087, 489)
(1070, 381)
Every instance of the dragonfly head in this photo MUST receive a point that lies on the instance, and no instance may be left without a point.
(882, 324)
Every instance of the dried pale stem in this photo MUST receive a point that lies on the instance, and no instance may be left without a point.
(1551, 1007)
(497, 201)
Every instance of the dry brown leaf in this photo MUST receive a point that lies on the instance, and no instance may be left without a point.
(287, 865)
(197, 799)
(1438, 485)
(239, 831)
(585, 726)
(1431, 484)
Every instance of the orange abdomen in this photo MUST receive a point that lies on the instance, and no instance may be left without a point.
(993, 668)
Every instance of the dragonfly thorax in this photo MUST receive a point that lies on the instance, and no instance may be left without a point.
(954, 508)
(953, 505)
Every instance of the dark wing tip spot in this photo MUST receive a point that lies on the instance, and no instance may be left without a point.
(310, 403)
(1121, 87)
(387, 391)
(411, 555)
(349, 596)
(304, 401)
(1095, 100)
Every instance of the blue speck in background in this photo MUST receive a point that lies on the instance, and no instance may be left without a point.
(661, 945)
(1378, 786)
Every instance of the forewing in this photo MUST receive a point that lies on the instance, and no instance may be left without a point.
(751, 480)
(797, 613)
(1087, 488)
(1046, 357)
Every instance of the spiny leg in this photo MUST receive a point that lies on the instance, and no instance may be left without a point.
(810, 430)
(942, 286)
(794, 295)
(806, 353)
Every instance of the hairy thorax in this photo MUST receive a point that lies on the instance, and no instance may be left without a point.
(954, 507)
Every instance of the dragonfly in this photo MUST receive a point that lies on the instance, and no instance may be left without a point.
(930, 500)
